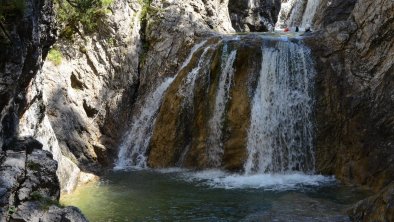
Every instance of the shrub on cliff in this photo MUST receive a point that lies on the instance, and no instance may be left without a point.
(55, 56)
(77, 15)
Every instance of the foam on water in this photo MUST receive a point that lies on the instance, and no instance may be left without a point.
(278, 182)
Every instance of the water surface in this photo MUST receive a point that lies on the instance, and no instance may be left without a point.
(177, 195)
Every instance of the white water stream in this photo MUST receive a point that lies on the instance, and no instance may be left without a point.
(280, 137)
(310, 12)
(297, 13)
(132, 152)
(281, 134)
(222, 97)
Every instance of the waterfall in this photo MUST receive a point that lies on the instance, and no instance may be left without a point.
(297, 13)
(280, 138)
(310, 12)
(187, 89)
(132, 151)
(222, 97)
(233, 95)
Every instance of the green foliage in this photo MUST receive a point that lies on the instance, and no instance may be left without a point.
(55, 56)
(33, 166)
(11, 210)
(146, 9)
(111, 41)
(86, 14)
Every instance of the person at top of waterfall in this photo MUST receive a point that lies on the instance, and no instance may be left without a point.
(286, 29)
(307, 28)
(297, 29)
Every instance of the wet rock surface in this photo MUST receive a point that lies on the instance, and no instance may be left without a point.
(183, 129)
(355, 142)
(379, 207)
(355, 125)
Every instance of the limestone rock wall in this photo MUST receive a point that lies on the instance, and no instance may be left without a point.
(355, 127)
(355, 85)
(78, 109)
(28, 181)
(254, 15)
(172, 29)
(25, 41)
(81, 108)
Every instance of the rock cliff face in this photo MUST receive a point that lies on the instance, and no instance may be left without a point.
(25, 42)
(375, 208)
(30, 189)
(355, 88)
(28, 181)
(254, 15)
(78, 108)
(172, 29)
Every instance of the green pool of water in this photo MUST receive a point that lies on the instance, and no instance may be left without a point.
(173, 195)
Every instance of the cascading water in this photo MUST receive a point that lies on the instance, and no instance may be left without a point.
(280, 137)
(310, 12)
(222, 97)
(297, 13)
(187, 90)
(133, 149)
(132, 152)
(206, 113)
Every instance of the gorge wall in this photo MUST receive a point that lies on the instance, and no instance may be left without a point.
(78, 107)
(81, 109)
(29, 187)
(254, 15)
(355, 124)
(354, 88)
